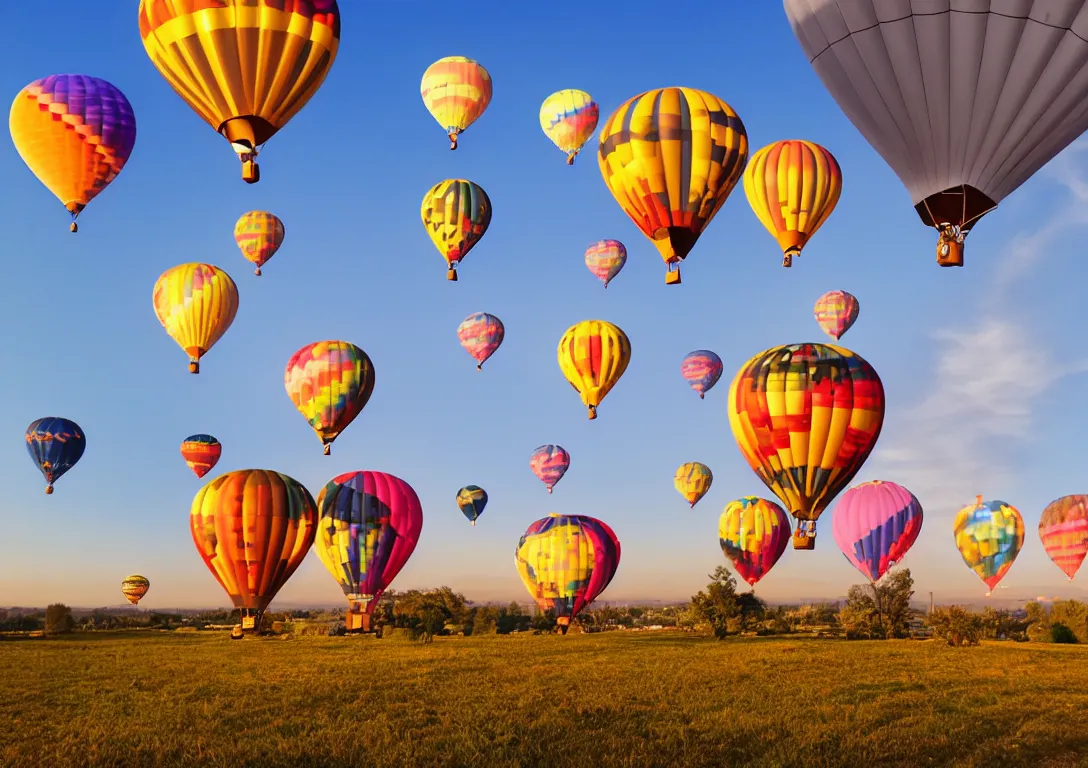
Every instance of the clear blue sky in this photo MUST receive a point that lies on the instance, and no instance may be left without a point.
(993, 405)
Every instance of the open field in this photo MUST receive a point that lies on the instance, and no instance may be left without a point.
(614, 699)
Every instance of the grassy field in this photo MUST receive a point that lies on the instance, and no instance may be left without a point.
(615, 699)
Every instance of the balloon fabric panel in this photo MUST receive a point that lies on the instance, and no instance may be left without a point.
(875, 524)
(753, 534)
(55, 445)
(989, 535)
(1063, 529)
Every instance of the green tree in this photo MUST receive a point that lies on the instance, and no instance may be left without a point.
(717, 605)
(1038, 618)
(58, 619)
(879, 610)
(1074, 615)
(956, 625)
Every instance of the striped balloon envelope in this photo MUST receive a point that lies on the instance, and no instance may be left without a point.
(481, 335)
(549, 463)
(201, 453)
(1063, 529)
(874, 524)
(836, 312)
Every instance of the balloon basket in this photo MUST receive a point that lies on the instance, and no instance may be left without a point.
(672, 278)
(251, 172)
(949, 252)
(357, 621)
(787, 260)
(453, 141)
(451, 275)
(73, 227)
(592, 412)
(194, 366)
(804, 542)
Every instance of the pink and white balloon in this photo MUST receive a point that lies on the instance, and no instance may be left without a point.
(836, 312)
(605, 259)
(481, 334)
(874, 524)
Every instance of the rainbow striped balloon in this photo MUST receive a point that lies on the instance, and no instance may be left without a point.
(330, 383)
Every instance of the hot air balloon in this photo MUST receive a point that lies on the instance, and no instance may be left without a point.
(75, 133)
(566, 561)
(605, 259)
(806, 417)
(456, 91)
(369, 525)
(569, 118)
(196, 303)
(693, 480)
(456, 214)
(481, 334)
(701, 369)
(836, 312)
(259, 235)
(245, 66)
(330, 383)
(1063, 529)
(989, 535)
(753, 534)
(471, 500)
(593, 355)
(253, 528)
(874, 524)
(549, 463)
(201, 453)
(793, 187)
(671, 157)
(54, 445)
(134, 587)
(964, 102)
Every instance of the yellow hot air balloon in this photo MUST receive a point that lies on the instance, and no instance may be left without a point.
(245, 66)
(456, 91)
(196, 303)
(135, 587)
(671, 157)
(456, 213)
(793, 186)
(693, 480)
(259, 235)
(569, 118)
(593, 355)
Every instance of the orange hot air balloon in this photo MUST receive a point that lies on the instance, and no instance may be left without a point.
(259, 235)
(245, 66)
(806, 417)
(792, 186)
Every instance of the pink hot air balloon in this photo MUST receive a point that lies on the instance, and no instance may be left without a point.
(874, 524)
(1063, 529)
(701, 369)
(481, 334)
(605, 259)
(549, 463)
(836, 312)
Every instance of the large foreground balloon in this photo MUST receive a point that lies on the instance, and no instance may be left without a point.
(692, 481)
(806, 417)
(456, 214)
(671, 157)
(593, 355)
(259, 235)
(566, 561)
(964, 100)
(368, 528)
(55, 445)
(471, 500)
(989, 535)
(753, 534)
(196, 304)
(836, 312)
(481, 335)
(201, 453)
(75, 133)
(253, 528)
(569, 118)
(701, 369)
(792, 186)
(874, 524)
(456, 91)
(549, 463)
(1063, 529)
(135, 587)
(605, 259)
(330, 382)
(245, 66)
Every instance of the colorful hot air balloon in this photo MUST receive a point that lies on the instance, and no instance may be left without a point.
(671, 157)
(836, 312)
(456, 91)
(259, 235)
(806, 417)
(874, 524)
(693, 480)
(569, 118)
(566, 561)
(369, 525)
(75, 133)
(134, 587)
(55, 445)
(201, 453)
(481, 334)
(1063, 529)
(593, 355)
(456, 214)
(330, 383)
(605, 259)
(753, 534)
(245, 66)
(965, 101)
(471, 500)
(701, 369)
(989, 535)
(196, 303)
(549, 463)
(793, 187)
(253, 528)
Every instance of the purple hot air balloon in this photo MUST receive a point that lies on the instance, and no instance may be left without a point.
(874, 524)
(702, 369)
(549, 463)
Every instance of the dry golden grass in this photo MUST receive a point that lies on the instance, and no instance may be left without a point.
(618, 699)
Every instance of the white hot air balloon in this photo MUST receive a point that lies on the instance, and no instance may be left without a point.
(964, 99)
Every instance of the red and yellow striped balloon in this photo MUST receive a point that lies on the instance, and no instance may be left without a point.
(753, 534)
(201, 453)
(196, 304)
(593, 355)
(456, 91)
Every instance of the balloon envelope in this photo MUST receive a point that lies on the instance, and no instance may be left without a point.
(259, 234)
(134, 587)
(605, 259)
(201, 453)
(456, 214)
(549, 463)
(196, 304)
(330, 382)
(701, 369)
(569, 118)
(1063, 529)
(836, 312)
(692, 481)
(753, 534)
(55, 445)
(471, 500)
(456, 90)
(989, 535)
(593, 355)
(481, 335)
(874, 524)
